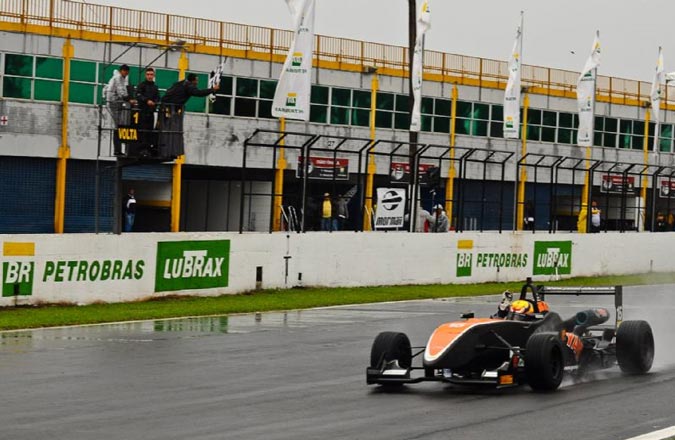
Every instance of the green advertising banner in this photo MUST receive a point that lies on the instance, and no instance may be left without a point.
(552, 257)
(17, 275)
(183, 265)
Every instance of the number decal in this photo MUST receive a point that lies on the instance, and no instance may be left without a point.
(135, 117)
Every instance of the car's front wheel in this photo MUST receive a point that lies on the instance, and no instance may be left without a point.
(391, 346)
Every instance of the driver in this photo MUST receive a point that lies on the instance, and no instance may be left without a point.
(522, 310)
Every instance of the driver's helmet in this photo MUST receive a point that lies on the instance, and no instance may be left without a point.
(521, 307)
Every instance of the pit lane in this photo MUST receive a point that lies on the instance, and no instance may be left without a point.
(301, 374)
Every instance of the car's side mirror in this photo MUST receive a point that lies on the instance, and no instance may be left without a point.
(467, 315)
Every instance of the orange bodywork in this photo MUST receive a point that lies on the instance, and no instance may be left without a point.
(446, 334)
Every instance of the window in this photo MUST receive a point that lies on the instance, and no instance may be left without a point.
(223, 103)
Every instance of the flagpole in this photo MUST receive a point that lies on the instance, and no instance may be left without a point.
(587, 182)
(518, 212)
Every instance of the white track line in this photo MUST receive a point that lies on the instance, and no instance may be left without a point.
(661, 434)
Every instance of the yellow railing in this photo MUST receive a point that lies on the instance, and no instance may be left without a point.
(106, 23)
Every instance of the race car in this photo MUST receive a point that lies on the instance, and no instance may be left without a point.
(523, 343)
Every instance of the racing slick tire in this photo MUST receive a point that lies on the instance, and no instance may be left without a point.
(389, 346)
(544, 361)
(635, 347)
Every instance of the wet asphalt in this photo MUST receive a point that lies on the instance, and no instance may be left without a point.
(301, 375)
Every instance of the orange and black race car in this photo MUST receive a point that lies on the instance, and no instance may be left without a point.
(524, 342)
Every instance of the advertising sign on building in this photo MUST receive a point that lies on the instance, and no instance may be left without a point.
(400, 172)
(324, 168)
(390, 210)
(617, 183)
(667, 189)
(183, 265)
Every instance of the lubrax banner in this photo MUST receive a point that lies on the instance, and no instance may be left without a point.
(180, 265)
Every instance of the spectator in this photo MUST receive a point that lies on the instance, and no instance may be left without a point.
(424, 220)
(528, 217)
(342, 212)
(118, 100)
(326, 213)
(595, 217)
(129, 210)
(179, 93)
(661, 222)
(147, 95)
(439, 222)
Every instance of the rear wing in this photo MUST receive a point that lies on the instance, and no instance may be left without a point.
(540, 292)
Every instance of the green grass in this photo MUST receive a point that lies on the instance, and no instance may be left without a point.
(268, 300)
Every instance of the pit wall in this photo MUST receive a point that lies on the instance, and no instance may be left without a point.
(88, 268)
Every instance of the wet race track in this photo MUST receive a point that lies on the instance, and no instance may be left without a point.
(301, 375)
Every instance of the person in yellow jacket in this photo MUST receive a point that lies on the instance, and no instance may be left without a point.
(326, 213)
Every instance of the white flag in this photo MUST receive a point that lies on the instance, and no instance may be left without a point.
(423, 25)
(291, 98)
(655, 96)
(512, 95)
(586, 95)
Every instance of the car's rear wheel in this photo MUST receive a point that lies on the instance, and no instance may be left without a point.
(635, 347)
(391, 346)
(544, 361)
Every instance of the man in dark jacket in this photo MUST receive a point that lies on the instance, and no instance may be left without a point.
(147, 95)
(170, 122)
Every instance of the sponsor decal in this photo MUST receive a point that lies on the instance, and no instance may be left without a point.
(390, 208)
(552, 257)
(467, 260)
(67, 271)
(183, 265)
(296, 61)
(18, 272)
(291, 99)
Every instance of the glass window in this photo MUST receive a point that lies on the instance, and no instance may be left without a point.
(638, 142)
(426, 123)
(498, 113)
(597, 138)
(565, 120)
(497, 129)
(599, 124)
(341, 97)
(443, 107)
(361, 99)
(441, 124)
(20, 65)
(549, 118)
(47, 90)
(319, 113)
(481, 111)
(196, 104)
(548, 134)
(611, 124)
(82, 71)
(480, 128)
(609, 140)
(463, 109)
(339, 115)
(385, 101)
(565, 135)
(533, 132)
(242, 106)
(82, 93)
(49, 68)
(267, 88)
(462, 126)
(16, 88)
(638, 127)
(222, 105)
(383, 119)
(361, 117)
(427, 106)
(265, 109)
(402, 103)
(319, 95)
(165, 78)
(401, 121)
(246, 87)
(533, 117)
(626, 126)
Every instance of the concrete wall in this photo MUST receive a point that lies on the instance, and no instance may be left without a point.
(53, 268)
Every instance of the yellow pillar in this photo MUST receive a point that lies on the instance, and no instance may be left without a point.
(450, 186)
(370, 172)
(279, 179)
(64, 148)
(176, 183)
(645, 149)
(520, 210)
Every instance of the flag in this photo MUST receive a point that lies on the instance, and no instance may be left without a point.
(291, 98)
(423, 25)
(586, 95)
(655, 96)
(512, 95)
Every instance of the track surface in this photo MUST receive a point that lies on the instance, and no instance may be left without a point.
(301, 375)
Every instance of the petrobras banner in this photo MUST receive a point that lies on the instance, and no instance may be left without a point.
(390, 210)
(655, 96)
(586, 95)
(291, 98)
(423, 25)
(512, 95)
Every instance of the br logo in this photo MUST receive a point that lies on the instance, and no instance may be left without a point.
(17, 270)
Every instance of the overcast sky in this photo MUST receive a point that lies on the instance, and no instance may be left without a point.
(556, 33)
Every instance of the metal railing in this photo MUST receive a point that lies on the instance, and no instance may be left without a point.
(108, 23)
